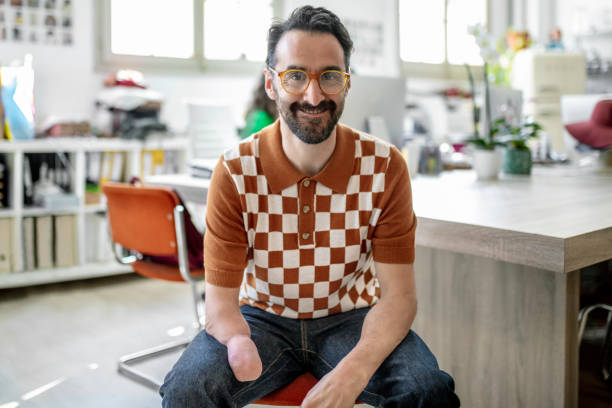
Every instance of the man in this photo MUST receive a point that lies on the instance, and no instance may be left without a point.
(310, 225)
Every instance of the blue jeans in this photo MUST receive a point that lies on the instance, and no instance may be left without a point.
(409, 377)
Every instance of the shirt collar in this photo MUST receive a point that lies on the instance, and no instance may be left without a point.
(281, 174)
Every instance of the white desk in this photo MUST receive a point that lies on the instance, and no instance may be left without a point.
(498, 277)
(190, 188)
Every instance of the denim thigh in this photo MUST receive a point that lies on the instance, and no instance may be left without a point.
(202, 376)
(408, 377)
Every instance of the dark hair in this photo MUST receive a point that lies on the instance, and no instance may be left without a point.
(311, 19)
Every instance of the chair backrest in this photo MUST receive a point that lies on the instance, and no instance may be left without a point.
(141, 217)
(577, 108)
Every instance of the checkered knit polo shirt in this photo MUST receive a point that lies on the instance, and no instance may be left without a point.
(305, 247)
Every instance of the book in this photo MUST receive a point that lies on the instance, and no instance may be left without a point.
(94, 167)
(29, 244)
(44, 242)
(107, 166)
(5, 245)
(117, 167)
(202, 168)
(65, 240)
(152, 162)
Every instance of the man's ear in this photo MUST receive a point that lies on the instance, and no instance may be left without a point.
(348, 84)
(268, 85)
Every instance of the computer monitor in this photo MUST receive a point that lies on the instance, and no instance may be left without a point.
(376, 97)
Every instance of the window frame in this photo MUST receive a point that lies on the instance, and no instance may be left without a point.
(105, 59)
(444, 70)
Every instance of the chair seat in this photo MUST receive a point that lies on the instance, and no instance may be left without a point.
(292, 394)
(161, 271)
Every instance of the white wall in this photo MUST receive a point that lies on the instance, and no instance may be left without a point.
(584, 17)
(64, 80)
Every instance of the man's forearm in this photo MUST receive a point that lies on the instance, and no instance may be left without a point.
(223, 317)
(226, 324)
(384, 327)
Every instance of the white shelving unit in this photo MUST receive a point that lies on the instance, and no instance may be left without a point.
(76, 148)
(544, 77)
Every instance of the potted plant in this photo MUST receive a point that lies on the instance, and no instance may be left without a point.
(497, 67)
(487, 160)
(517, 155)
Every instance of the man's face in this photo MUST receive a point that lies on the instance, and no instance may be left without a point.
(313, 115)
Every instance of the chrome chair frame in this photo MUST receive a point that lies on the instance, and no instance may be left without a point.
(582, 321)
(125, 362)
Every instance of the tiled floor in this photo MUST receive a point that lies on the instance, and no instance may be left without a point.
(59, 344)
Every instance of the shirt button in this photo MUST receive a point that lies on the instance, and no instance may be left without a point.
(306, 183)
(305, 235)
(306, 209)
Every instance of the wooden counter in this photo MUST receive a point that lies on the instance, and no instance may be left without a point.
(498, 282)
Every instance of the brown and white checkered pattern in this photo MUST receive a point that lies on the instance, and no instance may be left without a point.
(331, 273)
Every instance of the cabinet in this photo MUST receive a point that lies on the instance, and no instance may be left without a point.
(89, 252)
(544, 77)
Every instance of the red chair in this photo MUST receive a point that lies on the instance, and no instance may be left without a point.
(290, 395)
(148, 232)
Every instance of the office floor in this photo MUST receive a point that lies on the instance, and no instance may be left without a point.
(60, 343)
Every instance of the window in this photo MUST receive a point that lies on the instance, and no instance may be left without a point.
(436, 31)
(183, 33)
(236, 29)
(167, 31)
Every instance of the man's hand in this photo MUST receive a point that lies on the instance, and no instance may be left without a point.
(338, 389)
(243, 358)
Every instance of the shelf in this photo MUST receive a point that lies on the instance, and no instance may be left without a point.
(179, 143)
(7, 212)
(42, 276)
(90, 144)
(90, 231)
(94, 208)
(597, 34)
(37, 211)
(68, 144)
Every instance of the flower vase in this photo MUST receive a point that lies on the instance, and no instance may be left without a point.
(487, 164)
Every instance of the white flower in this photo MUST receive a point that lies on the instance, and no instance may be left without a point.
(485, 42)
(476, 30)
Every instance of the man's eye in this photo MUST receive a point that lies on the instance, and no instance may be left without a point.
(330, 76)
(296, 76)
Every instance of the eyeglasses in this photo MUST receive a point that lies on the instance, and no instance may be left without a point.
(296, 81)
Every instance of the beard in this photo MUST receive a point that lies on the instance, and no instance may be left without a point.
(311, 130)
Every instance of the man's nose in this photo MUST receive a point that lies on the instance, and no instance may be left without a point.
(313, 94)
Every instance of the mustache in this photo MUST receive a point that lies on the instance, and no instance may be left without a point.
(322, 107)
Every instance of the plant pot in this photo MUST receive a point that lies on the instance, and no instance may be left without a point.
(487, 164)
(517, 161)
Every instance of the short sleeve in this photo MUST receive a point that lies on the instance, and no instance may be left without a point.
(393, 237)
(225, 240)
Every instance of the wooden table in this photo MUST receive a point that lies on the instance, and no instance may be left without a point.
(498, 279)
